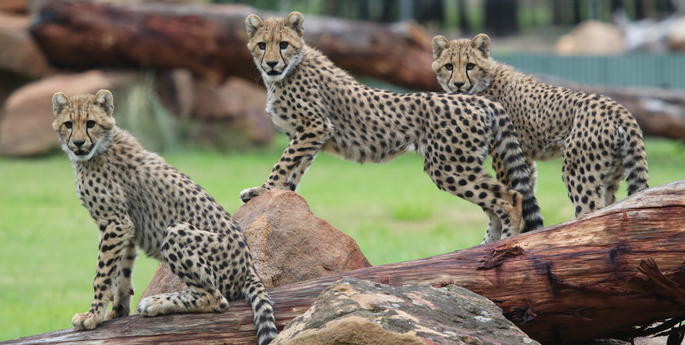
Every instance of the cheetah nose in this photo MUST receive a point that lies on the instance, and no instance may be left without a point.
(79, 143)
(459, 84)
(272, 64)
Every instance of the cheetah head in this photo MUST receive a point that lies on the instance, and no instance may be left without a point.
(462, 66)
(84, 123)
(275, 43)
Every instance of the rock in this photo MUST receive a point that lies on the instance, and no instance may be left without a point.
(26, 124)
(591, 38)
(236, 107)
(288, 243)
(360, 312)
(675, 36)
(20, 54)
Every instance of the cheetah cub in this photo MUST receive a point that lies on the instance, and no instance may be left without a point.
(599, 139)
(321, 107)
(137, 199)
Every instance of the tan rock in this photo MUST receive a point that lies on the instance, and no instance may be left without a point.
(236, 106)
(591, 38)
(288, 243)
(19, 53)
(676, 35)
(26, 124)
(360, 312)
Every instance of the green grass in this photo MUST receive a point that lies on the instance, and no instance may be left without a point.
(48, 242)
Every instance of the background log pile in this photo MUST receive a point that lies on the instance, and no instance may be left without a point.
(190, 59)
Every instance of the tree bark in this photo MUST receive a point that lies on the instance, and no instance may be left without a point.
(210, 41)
(604, 275)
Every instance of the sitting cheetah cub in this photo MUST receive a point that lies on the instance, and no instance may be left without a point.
(598, 138)
(321, 107)
(136, 198)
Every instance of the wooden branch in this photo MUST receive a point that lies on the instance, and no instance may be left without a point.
(210, 41)
(576, 281)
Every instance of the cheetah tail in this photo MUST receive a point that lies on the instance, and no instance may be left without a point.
(262, 309)
(633, 154)
(508, 148)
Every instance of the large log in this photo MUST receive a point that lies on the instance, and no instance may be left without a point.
(210, 41)
(605, 275)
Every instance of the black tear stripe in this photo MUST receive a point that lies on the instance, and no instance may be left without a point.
(92, 142)
(280, 53)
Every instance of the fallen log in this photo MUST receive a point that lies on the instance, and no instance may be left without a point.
(210, 41)
(659, 112)
(612, 273)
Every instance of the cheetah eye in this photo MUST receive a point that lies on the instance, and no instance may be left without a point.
(90, 124)
(261, 45)
(283, 45)
(470, 66)
(449, 66)
(68, 124)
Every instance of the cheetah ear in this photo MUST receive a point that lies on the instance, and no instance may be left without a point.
(59, 101)
(439, 44)
(296, 22)
(252, 23)
(481, 42)
(104, 99)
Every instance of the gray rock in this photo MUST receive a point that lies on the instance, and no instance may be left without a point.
(359, 312)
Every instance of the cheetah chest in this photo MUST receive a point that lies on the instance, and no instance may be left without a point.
(279, 114)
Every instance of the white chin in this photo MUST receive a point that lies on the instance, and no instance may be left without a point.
(272, 78)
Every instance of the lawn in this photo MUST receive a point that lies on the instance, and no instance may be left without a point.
(48, 243)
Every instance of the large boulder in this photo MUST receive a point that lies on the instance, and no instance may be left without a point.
(233, 112)
(288, 243)
(225, 116)
(360, 312)
(591, 38)
(26, 123)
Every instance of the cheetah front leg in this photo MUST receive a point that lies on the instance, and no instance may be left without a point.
(115, 238)
(123, 289)
(294, 161)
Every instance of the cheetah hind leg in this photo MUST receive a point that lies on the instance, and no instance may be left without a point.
(194, 268)
(494, 231)
(612, 182)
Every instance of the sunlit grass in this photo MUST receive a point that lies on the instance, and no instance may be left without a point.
(48, 244)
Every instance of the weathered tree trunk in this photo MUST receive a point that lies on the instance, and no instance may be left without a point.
(659, 112)
(210, 41)
(598, 276)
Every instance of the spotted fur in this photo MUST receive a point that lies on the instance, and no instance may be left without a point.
(321, 107)
(137, 199)
(599, 139)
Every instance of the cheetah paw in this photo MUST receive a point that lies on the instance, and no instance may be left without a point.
(152, 306)
(249, 193)
(85, 321)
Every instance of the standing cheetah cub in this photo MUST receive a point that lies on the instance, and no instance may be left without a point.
(598, 138)
(136, 198)
(321, 107)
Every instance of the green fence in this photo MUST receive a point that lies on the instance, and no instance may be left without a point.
(639, 70)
